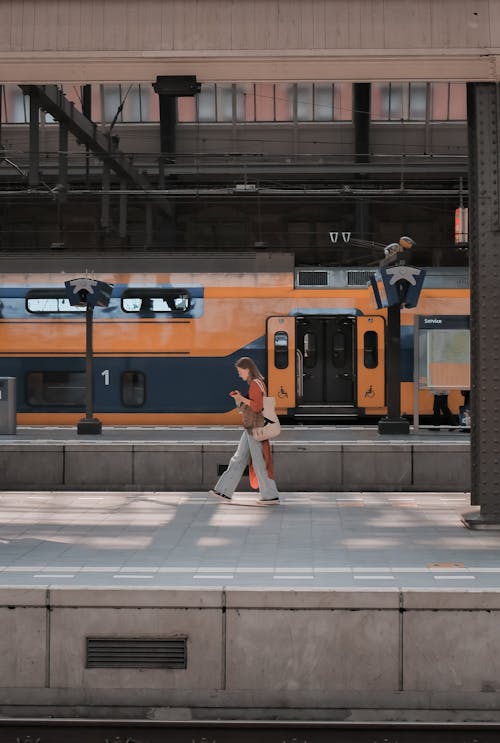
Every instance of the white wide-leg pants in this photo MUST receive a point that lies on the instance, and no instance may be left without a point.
(248, 450)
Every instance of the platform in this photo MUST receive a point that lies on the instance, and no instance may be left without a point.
(361, 606)
(317, 540)
(306, 458)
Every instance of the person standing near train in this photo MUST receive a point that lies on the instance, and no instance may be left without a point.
(250, 452)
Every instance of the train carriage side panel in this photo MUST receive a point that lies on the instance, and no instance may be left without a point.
(188, 362)
(370, 331)
(281, 362)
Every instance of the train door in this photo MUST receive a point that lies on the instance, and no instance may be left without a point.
(281, 354)
(371, 363)
(326, 351)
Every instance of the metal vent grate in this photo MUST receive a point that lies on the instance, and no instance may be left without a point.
(136, 653)
(358, 278)
(313, 278)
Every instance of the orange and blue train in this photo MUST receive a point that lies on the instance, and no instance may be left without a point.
(165, 347)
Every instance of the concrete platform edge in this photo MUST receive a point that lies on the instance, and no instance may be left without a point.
(371, 467)
(257, 649)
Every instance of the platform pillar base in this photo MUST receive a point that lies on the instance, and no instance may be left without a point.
(394, 426)
(478, 520)
(89, 426)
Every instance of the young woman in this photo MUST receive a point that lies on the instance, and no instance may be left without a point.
(254, 453)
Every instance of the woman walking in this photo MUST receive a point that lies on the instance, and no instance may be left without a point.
(249, 452)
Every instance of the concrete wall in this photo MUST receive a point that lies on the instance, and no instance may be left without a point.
(256, 649)
(326, 467)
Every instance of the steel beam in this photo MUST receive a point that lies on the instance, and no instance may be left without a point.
(168, 88)
(63, 156)
(34, 138)
(361, 120)
(105, 201)
(483, 100)
(52, 99)
(123, 211)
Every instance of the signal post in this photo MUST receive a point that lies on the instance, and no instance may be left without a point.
(395, 286)
(89, 293)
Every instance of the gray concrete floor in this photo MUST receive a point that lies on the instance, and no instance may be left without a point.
(310, 540)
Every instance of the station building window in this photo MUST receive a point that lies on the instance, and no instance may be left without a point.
(55, 388)
(16, 105)
(448, 102)
(418, 102)
(267, 102)
(128, 103)
(396, 101)
(256, 102)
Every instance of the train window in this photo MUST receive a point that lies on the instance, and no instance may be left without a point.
(149, 302)
(370, 349)
(338, 350)
(55, 388)
(47, 304)
(281, 350)
(133, 389)
(310, 350)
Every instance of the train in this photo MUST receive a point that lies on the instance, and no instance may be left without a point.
(165, 347)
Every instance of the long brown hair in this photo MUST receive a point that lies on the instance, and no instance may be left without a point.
(247, 363)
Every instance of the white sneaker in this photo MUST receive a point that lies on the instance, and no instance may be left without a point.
(220, 496)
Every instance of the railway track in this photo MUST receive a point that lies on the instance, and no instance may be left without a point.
(240, 731)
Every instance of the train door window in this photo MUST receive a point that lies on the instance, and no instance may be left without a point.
(55, 388)
(370, 349)
(310, 350)
(338, 348)
(281, 350)
(133, 389)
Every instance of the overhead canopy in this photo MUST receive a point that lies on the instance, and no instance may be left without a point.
(238, 40)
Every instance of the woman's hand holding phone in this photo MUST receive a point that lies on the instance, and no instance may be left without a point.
(236, 395)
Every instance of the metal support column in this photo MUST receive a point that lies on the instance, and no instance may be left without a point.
(168, 88)
(361, 121)
(87, 112)
(87, 101)
(167, 134)
(123, 211)
(483, 104)
(63, 157)
(167, 125)
(105, 198)
(89, 424)
(149, 225)
(34, 139)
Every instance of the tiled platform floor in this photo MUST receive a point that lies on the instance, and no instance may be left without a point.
(313, 540)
